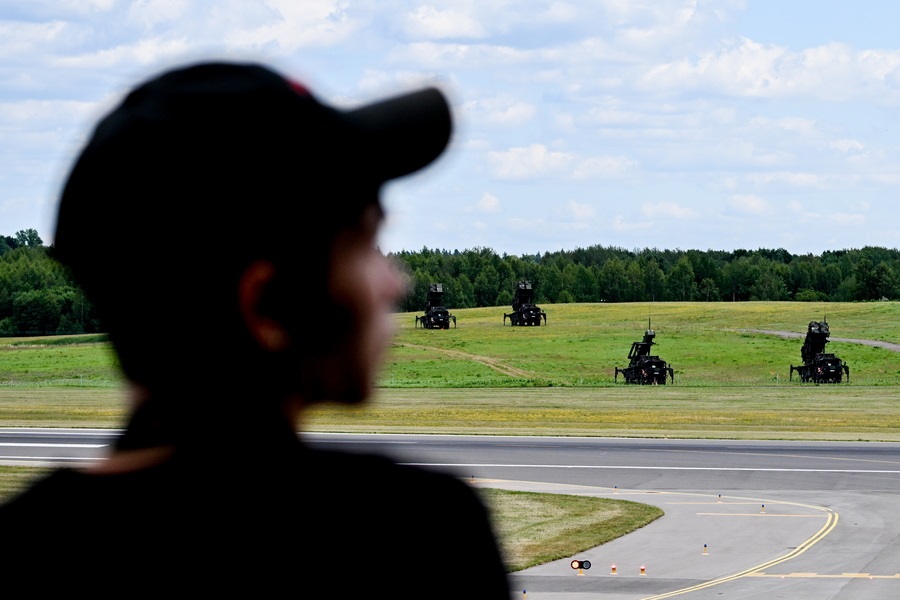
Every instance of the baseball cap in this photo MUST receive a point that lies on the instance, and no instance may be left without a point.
(221, 148)
(213, 163)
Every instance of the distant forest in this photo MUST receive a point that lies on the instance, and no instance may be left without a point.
(481, 277)
(37, 296)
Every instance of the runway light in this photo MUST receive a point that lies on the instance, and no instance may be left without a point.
(581, 565)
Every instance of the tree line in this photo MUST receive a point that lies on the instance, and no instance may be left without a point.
(481, 277)
(38, 296)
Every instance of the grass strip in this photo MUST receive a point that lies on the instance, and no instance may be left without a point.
(535, 528)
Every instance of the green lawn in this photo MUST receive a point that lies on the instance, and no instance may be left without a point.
(559, 379)
(536, 528)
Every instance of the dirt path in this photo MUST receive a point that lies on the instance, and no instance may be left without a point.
(487, 361)
(794, 334)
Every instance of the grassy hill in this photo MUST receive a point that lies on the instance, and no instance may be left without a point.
(582, 344)
(484, 376)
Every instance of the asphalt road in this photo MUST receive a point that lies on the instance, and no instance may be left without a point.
(744, 520)
(798, 335)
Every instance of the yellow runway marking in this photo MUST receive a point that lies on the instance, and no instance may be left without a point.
(824, 576)
(830, 523)
(710, 514)
(717, 503)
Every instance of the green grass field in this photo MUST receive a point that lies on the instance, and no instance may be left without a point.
(559, 379)
(708, 344)
(483, 377)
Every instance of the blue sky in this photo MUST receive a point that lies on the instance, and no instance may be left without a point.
(671, 124)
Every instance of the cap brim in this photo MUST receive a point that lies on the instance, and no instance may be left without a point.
(406, 132)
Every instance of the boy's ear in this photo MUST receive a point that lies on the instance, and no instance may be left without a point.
(255, 284)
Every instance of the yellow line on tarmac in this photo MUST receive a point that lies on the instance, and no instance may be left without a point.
(710, 514)
(824, 576)
(830, 523)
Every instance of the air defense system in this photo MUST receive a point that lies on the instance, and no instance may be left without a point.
(436, 316)
(644, 368)
(819, 366)
(525, 311)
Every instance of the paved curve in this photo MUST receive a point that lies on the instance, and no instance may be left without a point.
(794, 334)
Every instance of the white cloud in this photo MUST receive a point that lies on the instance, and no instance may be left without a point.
(454, 56)
(620, 224)
(749, 204)
(607, 115)
(580, 210)
(537, 160)
(798, 125)
(147, 52)
(799, 180)
(667, 209)
(488, 203)
(72, 7)
(151, 13)
(529, 162)
(559, 12)
(504, 110)
(743, 67)
(32, 115)
(847, 219)
(529, 226)
(657, 24)
(846, 146)
(428, 22)
(289, 26)
(602, 166)
(28, 37)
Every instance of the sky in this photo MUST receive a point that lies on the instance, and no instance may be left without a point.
(666, 124)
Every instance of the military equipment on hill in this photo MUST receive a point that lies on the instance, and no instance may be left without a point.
(436, 314)
(644, 368)
(819, 366)
(525, 312)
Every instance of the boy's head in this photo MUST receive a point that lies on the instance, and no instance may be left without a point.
(205, 169)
